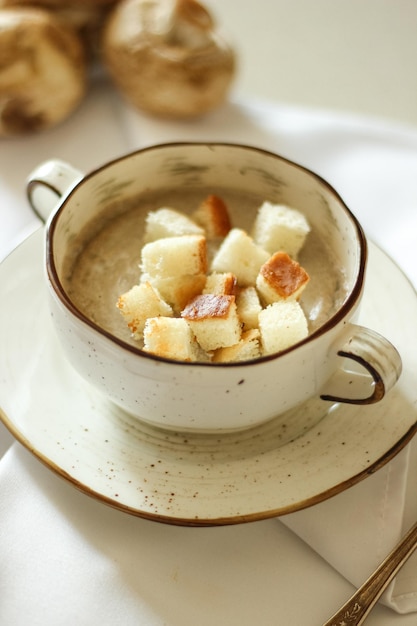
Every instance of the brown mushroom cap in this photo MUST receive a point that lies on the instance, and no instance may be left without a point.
(42, 71)
(85, 16)
(167, 57)
(48, 4)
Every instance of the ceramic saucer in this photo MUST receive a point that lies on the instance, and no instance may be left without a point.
(196, 479)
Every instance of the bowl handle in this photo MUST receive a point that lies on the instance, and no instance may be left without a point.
(376, 356)
(48, 184)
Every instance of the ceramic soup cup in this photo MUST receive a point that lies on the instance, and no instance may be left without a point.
(331, 364)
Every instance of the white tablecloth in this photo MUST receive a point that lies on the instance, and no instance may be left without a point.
(67, 559)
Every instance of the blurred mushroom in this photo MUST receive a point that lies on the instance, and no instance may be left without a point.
(86, 17)
(42, 70)
(167, 57)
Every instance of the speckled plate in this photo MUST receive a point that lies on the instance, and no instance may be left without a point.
(195, 479)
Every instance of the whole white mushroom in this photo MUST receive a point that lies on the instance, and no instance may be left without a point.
(42, 70)
(167, 56)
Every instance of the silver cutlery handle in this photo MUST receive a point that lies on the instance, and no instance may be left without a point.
(357, 608)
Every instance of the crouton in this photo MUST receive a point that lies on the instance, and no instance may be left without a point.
(213, 320)
(175, 256)
(171, 338)
(240, 255)
(248, 307)
(282, 324)
(178, 290)
(139, 303)
(278, 227)
(281, 278)
(167, 222)
(178, 311)
(246, 349)
(221, 283)
(213, 216)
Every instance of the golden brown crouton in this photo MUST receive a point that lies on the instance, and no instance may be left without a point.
(281, 278)
(213, 216)
(214, 320)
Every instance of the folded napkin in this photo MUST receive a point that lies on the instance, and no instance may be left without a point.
(373, 167)
(67, 559)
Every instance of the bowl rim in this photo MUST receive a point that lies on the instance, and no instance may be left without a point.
(349, 303)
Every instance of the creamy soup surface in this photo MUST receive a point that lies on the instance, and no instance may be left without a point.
(107, 262)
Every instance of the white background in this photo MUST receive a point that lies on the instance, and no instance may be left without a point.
(349, 55)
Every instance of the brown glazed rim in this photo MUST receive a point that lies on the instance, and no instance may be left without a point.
(347, 305)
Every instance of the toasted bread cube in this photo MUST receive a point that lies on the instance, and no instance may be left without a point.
(281, 278)
(221, 283)
(248, 307)
(213, 320)
(282, 324)
(180, 290)
(167, 222)
(213, 216)
(171, 338)
(248, 348)
(139, 303)
(175, 256)
(240, 255)
(278, 227)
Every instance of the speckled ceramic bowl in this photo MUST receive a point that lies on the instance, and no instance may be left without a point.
(205, 396)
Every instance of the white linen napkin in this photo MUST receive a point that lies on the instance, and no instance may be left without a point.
(67, 559)
(373, 167)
